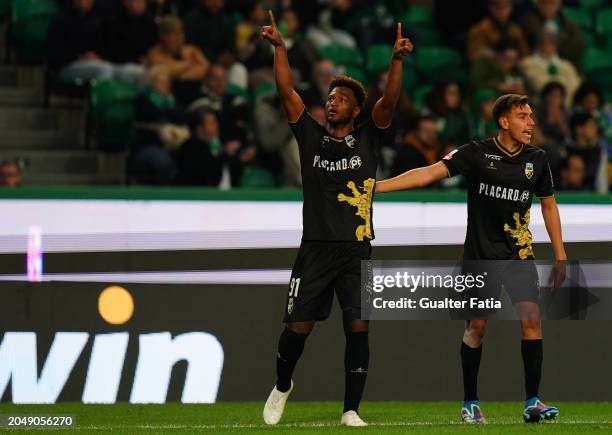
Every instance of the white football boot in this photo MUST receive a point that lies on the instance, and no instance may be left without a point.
(275, 405)
(351, 418)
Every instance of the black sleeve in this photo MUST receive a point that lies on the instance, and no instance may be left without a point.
(461, 160)
(304, 129)
(380, 136)
(544, 183)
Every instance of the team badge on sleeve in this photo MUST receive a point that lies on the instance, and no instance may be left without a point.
(529, 170)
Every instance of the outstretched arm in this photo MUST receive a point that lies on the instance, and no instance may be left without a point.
(385, 106)
(291, 101)
(419, 177)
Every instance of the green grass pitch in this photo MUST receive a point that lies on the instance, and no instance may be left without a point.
(315, 418)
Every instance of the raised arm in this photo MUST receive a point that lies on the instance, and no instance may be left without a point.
(291, 101)
(385, 106)
(419, 177)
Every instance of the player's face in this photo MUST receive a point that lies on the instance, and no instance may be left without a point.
(519, 123)
(341, 106)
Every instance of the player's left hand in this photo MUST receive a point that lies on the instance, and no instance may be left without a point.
(402, 46)
(557, 274)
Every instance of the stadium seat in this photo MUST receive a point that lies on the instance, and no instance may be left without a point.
(440, 63)
(357, 73)
(581, 17)
(378, 58)
(603, 26)
(417, 16)
(255, 177)
(591, 5)
(112, 111)
(597, 66)
(427, 36)
(342, 55)
(30, 20)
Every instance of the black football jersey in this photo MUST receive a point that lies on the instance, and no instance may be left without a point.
(501, 186)
(338, 178)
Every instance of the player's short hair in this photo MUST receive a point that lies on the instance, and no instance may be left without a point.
(352, 84)
(505, 103)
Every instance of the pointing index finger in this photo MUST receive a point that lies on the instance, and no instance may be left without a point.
(272, 20)
(398, 35)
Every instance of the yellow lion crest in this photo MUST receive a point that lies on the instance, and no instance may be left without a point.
(521, 233)
(362, 201)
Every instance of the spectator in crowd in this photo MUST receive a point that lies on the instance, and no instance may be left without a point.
(496, 26)
(419, 148)
(445, 104)
(160, 128)
(587, 144)
(545, 66)
(501, 72)
(211, 29)
(301, 55)
(572, 173)
(323, 73)
(405, 112)
(185, 63)
(75, 42)
(484, 125)
(589, 98)
(255, 53)
(552, 116)
(205, 160)
(232, 111)
(454, 19)
(324, 33)
(10, 174)
(553, 129)
(275, 139)
(130, 33)
(548, 19)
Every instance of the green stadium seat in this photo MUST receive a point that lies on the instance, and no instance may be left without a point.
(255, 177)
(357, 73)
(378, 58)
(30, 20)
(112, 111)
(581, 17)
(603, 26)
(342, 55)
(591, 5)
(427, 36)
(597, 66)
(440, 63)
(417, 16)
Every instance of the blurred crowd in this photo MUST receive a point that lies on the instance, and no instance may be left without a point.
(207, 113)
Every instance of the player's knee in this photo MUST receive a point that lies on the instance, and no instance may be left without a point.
(476, 329)
(356, 326)
(301, 327)
(532, 329)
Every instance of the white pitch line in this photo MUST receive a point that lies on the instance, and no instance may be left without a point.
(316, 425)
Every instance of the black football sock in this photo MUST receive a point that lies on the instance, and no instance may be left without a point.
(356, 360)
(290, 347)
(533, 354)
(470, 362)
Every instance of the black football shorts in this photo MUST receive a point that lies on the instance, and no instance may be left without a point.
(320, 269)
